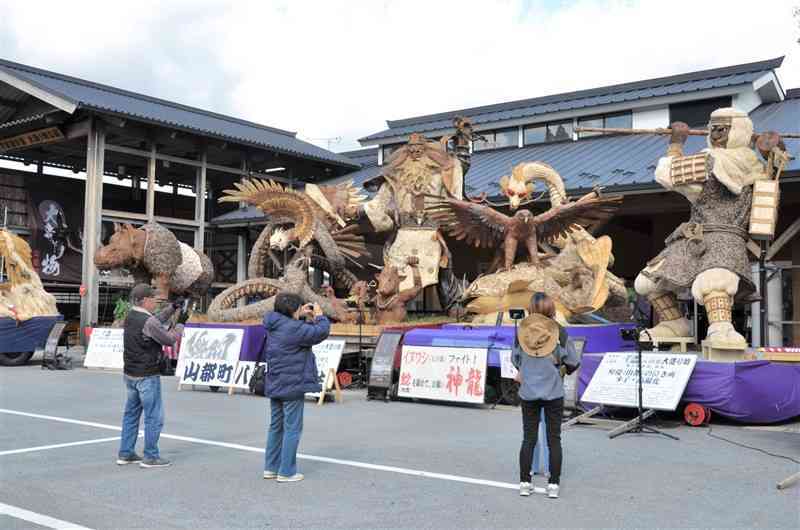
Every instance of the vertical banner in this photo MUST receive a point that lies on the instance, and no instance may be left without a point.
(445, 374)
(209, 356)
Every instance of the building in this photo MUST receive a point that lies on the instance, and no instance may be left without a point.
(543, 128)
(131, 158)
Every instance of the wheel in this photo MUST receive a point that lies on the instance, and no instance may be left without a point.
(15, 358)
(214, 388)
(696, 414)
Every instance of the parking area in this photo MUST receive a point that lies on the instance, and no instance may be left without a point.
(367, 464)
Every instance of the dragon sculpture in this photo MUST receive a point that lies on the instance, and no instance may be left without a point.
(318, 235)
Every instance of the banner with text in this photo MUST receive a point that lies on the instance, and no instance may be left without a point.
(328, 354)
(447, 374)
(210, 356)
(664, 378)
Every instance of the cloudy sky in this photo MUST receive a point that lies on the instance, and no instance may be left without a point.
(336, 70)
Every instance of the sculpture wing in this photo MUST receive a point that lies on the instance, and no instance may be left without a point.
(479, 225)
(277, 202)
(561, 220)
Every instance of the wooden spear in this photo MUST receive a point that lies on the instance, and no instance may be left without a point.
(658, 130)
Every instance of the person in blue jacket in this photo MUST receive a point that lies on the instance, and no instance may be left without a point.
(540, 353)
(291, 372)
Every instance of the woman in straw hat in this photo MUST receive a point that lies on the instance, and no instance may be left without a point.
(541, 351)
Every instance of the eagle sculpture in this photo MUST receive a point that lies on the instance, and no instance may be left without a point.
(482, 226)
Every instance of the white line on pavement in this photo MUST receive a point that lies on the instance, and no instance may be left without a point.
(351, 463)
(57, 446)
(37, 518)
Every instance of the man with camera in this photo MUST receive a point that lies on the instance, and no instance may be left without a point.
(144, 335)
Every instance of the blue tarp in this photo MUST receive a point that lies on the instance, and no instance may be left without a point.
(27, 335)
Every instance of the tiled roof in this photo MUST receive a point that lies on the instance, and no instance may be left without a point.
(615, 162)
(662, 86)
(104, 98)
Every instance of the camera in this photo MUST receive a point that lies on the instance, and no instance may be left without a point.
(516, 314)
(629, 334)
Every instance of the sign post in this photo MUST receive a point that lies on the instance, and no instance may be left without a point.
(328, 355)
(210, 357)
(654, 381)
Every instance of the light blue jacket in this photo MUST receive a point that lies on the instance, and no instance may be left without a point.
(540, 376)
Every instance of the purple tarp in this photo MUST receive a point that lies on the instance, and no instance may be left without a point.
(25, 336)
(748, 391)
(252, 342)
(598, 338)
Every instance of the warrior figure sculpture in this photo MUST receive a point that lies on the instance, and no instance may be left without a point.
(708, 254)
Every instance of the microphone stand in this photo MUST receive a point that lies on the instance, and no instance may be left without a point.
(639, 427)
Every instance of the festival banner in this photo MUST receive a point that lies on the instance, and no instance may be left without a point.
(57, 225)
(210, 356)
(446, 374)
(664, 378)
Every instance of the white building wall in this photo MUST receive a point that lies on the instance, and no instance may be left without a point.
(747, 101)
(651, 118)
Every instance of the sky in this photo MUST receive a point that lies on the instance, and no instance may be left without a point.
(335, 71)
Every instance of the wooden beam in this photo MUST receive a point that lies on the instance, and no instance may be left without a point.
(784, 238)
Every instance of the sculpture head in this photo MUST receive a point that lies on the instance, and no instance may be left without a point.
(729, 128)
(416, 146)
(525, 216)
(124, 249)
(516, 187)
(389, 280)
(280, 239)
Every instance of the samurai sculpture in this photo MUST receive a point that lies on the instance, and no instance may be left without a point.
(708, 254)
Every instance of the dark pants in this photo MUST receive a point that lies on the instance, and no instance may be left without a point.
(553, 413)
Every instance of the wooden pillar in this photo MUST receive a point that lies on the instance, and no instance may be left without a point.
(150, 207)
(93, 205)
(200, 204)
(796, 290)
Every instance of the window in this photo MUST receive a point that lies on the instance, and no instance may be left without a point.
(496, 139)
(696, 113)
(558, 131)
(621, 120)
(388, 150)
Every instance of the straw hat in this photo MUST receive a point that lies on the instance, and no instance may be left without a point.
(538, 335)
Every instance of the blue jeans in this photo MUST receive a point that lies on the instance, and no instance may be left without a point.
(541, 454)
(285, 428)
(144, 394)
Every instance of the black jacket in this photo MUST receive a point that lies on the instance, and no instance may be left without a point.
(143, 338)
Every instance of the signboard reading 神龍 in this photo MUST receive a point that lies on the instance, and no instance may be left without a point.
(445, 374)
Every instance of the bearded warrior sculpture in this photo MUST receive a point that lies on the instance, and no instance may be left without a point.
(416, 176)
(708, 254)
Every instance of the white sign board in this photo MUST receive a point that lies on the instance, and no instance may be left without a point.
(105, 349)
(210, 356)
(507, 368)
(447, 374)
(328, 354)
(664, 378)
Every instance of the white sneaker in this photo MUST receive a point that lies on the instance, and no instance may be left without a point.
(297, 477)
(525, 489)
(552, 491)
(270, 474)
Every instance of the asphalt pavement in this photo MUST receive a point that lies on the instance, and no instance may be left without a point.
(368, 464)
